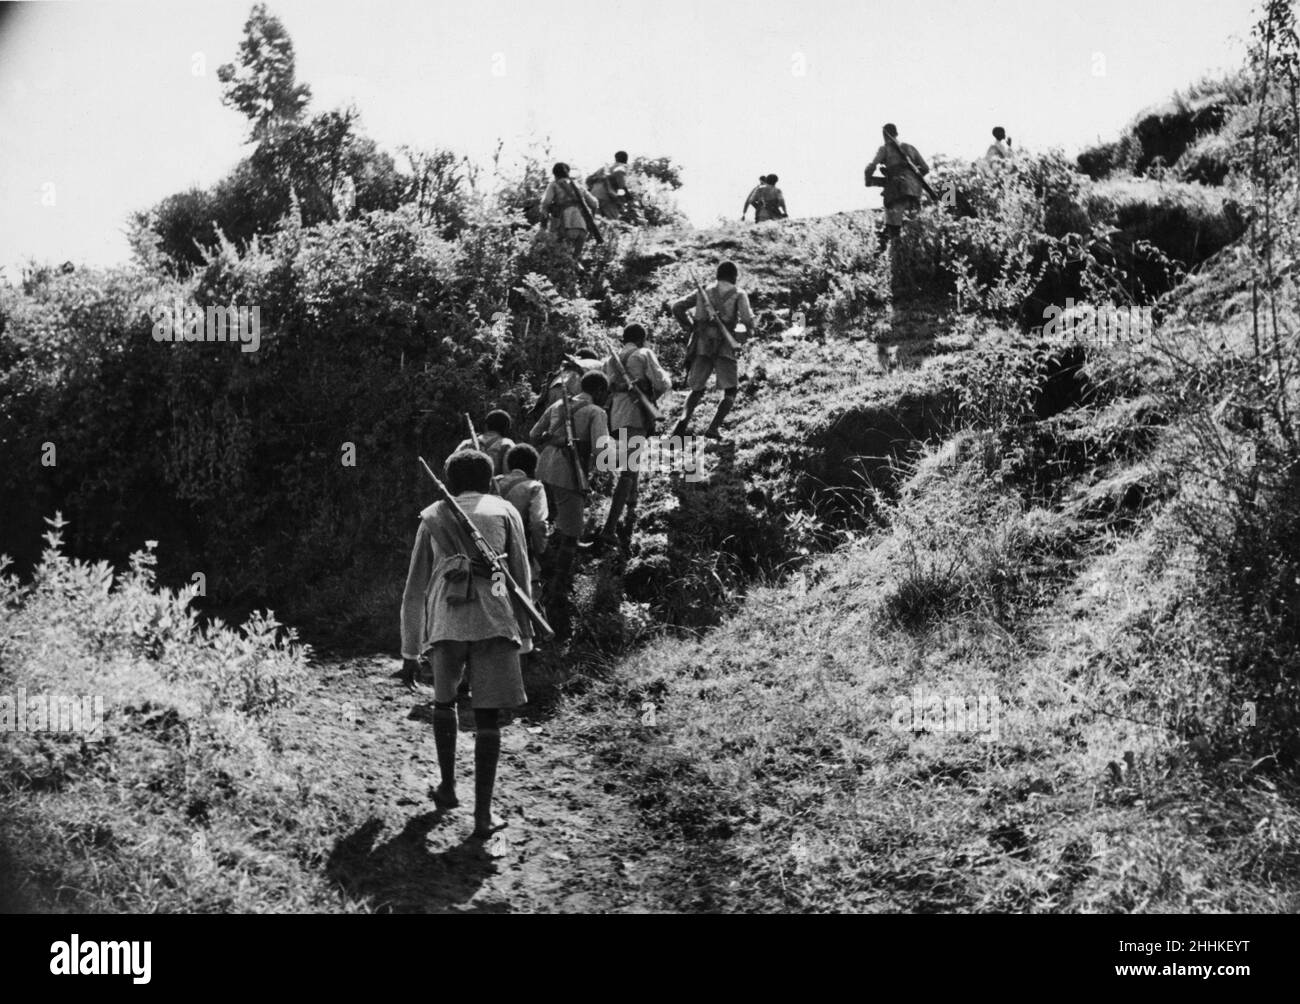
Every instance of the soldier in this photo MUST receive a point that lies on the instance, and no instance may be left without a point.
(452, 614)
(568, 377)
(768, 201)
(495, 441)
(749, 199)
(556, 471)
(707, 351)
(609, 186)
(626, 413)
(560, 205)
(519, 486)
(902, 186)
(1000, 149)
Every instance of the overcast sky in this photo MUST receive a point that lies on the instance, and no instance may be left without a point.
(116, 105)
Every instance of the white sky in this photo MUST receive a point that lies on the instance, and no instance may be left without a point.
(101, 99)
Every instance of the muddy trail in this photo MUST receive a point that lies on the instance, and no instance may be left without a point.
(572, 843)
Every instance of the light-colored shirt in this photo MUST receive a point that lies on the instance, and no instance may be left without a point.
(612, 184)
(427, 616)
(590, 434)
(566, 194)
(906, 183)
(495, 445)
(998, 151)
(529, 497)
(732, 305)
(641, 363)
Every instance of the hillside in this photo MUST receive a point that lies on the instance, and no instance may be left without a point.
(970, 612)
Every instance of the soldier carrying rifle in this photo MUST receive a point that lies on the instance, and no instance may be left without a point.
(468, 606)
(715, 336)
(905, 170)
(636, 380)
(571, 431)
(569, 209)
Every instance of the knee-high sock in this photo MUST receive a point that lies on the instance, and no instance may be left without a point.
(724, 406)
(624, 493)
(487, 753)
(444, 741)
(692, 402)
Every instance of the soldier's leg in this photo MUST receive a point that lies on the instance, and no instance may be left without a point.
(728, 380)
(448, 660)
(487, 754)
(625, 488)
(696, 380)
(569, 518)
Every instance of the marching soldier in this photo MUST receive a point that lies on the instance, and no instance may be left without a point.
(639, 364)
(561, 205)
(1000, 149)
(519, 486)
(495, 441)
(563, 469)
(708, 350)
(767, 200)
(609, 186)
(903, 187)
(452, 615)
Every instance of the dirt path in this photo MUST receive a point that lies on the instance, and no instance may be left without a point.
(571, 846)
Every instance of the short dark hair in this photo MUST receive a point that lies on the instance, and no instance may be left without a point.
(468, 471)
(522, 457)
(999, 132)
(891, 129)
(588, 353)
(634, 333)
(727, 271)
(560, 170)
(498, 421)
(595, 384)
(771, 179)
(620, 157)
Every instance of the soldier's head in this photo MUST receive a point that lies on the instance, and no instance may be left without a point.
(890, 130)
(728, 272)
(522, 458)
(498, 421)
(772, 179)
(999, 133)
(595, 384)
(468, 471)
(634, 333)
(620, 157)
(588, 353)
(560, 170)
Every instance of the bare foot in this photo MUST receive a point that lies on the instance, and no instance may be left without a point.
(444, 797)
(484, 827)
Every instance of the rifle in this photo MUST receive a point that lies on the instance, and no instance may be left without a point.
(586, 213)
(497, 561)
(571, 448)
(892, 141)
(652, 413)
(473, 438)
(713, 314)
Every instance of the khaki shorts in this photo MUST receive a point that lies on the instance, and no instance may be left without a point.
(570, 510)
(727, 369)
(495, 677)
(895, 212)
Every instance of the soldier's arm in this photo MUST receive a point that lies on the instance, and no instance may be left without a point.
(543, 426)
(417, 584)
(516, 551)
(538, 514)
(876, 161)
(917, 159)
(743, 310)
(598, 431)
(659, 378)
(679, 310)
(780, 201)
